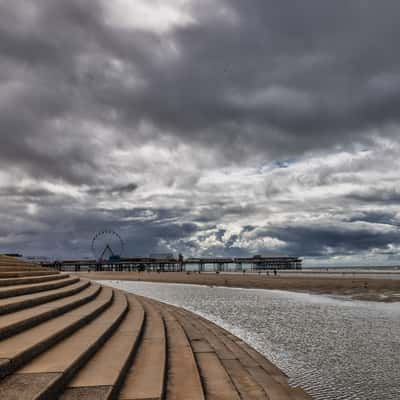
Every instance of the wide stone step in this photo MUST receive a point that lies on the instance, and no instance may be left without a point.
(252, 375)
(30, 280)
(248, 356)
(183, 378)
(237, 363)
(54, 368)
(102, 376)
(21, 274)
(13, 260)
(268, 376)
(37, 287)
(23, 347)
(10, 324)
(17, 268)
(146, 377)
(216, 381)
(300, 394)
(12, 304)
(21, 264)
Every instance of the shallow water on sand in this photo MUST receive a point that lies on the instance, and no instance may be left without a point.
(334, 348)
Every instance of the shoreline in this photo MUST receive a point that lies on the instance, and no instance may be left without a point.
(367, 289)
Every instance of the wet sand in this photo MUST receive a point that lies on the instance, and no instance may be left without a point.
(372, 289)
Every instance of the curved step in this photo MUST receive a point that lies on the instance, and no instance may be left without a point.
(21, 274)
(248, 373)
(37, 287)
(102, 377)
(58, 365)
(300, 394)
(22, 347)
(246, 354)
(183, 377)
(216, 381)
(11, 268)
(29, 280)
(20, 264)
(146, 377)
(267, 375)
(12, 304)
(19, 321)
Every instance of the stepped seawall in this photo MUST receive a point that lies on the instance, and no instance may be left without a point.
(66, 337)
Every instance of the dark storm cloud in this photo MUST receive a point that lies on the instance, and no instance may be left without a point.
(73, 236)
(282, 79)
(277, 77)
(328, 241)
(376, 217)
(377, 195)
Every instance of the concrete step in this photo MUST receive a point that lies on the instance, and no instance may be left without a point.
(217, 383)
(60, 363)
(300, 394)
(102, 377)
(239, 376)
(189, 319)
(11, 324)
(183, 378)
(274, 389)
(16, 263)
(17, 268)
(19, 349)
(252, 374)
(19, 290)
(248, 356)
(30, 279)
(16, 274)
(146, 377)
(12, 304)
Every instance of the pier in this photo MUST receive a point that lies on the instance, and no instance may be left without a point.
(171, 264)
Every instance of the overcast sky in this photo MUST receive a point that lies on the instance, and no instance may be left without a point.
(212, 127)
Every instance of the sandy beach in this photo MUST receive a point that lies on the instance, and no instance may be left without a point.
(372, 289)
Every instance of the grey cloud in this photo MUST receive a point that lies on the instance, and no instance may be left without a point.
(319, 81)
(32, 192)
(377, 195)
(113, 190)
(327, 241)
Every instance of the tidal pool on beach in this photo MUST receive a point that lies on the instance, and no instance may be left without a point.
(335, 348)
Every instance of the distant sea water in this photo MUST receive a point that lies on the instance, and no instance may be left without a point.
(335, 348)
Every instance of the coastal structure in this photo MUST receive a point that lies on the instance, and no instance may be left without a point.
(180, 264)
(64, 337)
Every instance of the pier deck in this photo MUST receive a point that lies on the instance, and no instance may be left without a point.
(65, 337)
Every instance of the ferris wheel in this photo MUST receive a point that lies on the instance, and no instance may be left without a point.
(107, 245)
